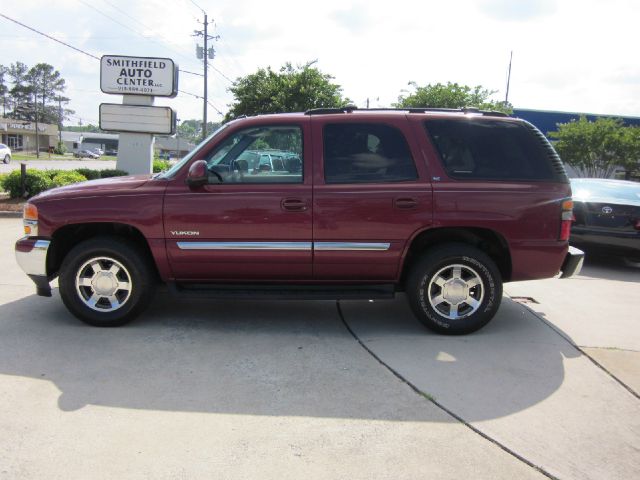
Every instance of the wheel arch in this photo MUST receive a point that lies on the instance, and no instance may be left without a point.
(67, 237)
(489, 241)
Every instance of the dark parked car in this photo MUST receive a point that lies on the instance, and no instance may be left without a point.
(607, 214)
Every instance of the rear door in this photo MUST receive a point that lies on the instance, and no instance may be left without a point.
(371, 194)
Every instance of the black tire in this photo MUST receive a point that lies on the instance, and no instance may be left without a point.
(7, 158)
(120, 262)
(479, 282)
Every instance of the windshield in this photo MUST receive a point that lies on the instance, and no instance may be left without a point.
(173, 170)
(610, 191)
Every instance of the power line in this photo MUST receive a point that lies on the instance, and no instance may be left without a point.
(197, 6)
(49, 37)
(89, 54)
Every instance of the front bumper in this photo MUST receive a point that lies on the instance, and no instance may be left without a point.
(31, 255)
(572, 262)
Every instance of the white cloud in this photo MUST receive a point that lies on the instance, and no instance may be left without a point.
(568, 54)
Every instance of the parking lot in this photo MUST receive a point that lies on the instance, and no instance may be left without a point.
(220, 389)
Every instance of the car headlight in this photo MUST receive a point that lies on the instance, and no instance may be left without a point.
(30, 220)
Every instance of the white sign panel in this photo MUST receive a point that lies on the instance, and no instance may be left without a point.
(124, 75)
(136, 118)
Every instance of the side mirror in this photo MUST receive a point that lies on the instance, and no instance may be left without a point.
(198, 174)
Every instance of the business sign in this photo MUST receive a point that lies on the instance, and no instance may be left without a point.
(136, 118)
(124, 75)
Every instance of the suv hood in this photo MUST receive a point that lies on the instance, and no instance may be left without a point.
(92, 188)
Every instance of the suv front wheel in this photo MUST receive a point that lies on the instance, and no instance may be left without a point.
(106, 281)
(454, 289)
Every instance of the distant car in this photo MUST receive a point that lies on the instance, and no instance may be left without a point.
(111, 152)
(98, 151)
(607, 216)
(86, 154)
(5, 153)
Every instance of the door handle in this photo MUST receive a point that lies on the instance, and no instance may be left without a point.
(294, 204)
(405, 203)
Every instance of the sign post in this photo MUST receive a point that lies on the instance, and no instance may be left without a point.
(139, 80)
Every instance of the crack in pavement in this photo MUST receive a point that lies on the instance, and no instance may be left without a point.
(431, 399)
(580, 349)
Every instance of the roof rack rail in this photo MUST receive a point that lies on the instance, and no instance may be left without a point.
(324, 111)
(351, 108)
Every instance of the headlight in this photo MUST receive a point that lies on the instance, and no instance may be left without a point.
(30, 220)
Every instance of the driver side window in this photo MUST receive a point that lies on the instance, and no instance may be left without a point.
(265, 154)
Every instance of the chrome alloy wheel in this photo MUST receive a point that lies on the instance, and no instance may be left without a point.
(455, 291)
(103, 284)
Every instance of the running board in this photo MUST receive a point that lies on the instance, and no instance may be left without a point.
(283, 292)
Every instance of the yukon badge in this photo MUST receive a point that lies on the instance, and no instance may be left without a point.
(185, 233)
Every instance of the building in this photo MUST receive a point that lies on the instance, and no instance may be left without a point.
(20, 135)
(108, 142)
(547, 120)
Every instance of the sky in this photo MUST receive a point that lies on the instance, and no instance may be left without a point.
(568, 55)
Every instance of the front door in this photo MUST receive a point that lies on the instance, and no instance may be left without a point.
(249, 222)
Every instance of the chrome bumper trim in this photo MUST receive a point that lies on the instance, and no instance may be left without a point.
(572, 262)
(34, 262)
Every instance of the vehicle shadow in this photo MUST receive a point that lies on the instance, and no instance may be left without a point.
(610, 268)
(279, 358)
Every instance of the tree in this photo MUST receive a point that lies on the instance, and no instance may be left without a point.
(191, 130)
(34, 90)
(451, 95)
(3, 89)
(596, 148)
(291, 89)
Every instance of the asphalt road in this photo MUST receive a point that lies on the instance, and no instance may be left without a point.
(58, 164)
(213, 389)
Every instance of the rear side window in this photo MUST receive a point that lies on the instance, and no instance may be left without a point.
(493, 150)
(366, 153)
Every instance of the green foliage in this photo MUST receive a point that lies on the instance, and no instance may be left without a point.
(451, 95)
(595, 149)
(291, 89)
(88, 173)
(160, 166)
(60, 149)
(112, 172)
(191, 130)
(36, 181)
(67, 178)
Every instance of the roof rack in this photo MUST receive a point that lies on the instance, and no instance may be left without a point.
(351, 108)
(324, 111)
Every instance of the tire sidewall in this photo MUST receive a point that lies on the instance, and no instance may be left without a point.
(6, 159)
(129, 256)
(418, 286)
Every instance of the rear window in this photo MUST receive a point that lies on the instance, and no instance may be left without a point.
(491, 150)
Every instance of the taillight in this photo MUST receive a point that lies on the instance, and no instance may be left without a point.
(566, 218)
(637, 225)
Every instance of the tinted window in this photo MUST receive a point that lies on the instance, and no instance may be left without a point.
(489, 149)
(255, 155)
(366, 153)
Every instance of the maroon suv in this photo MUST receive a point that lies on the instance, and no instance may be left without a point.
(442, 205)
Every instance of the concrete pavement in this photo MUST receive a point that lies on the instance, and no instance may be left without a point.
(282, 390)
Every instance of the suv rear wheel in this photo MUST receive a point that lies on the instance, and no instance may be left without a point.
(106, 281)
(454, 289)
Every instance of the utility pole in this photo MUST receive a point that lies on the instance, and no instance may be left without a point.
(35, 105)
(506, 98)
(205, 53)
